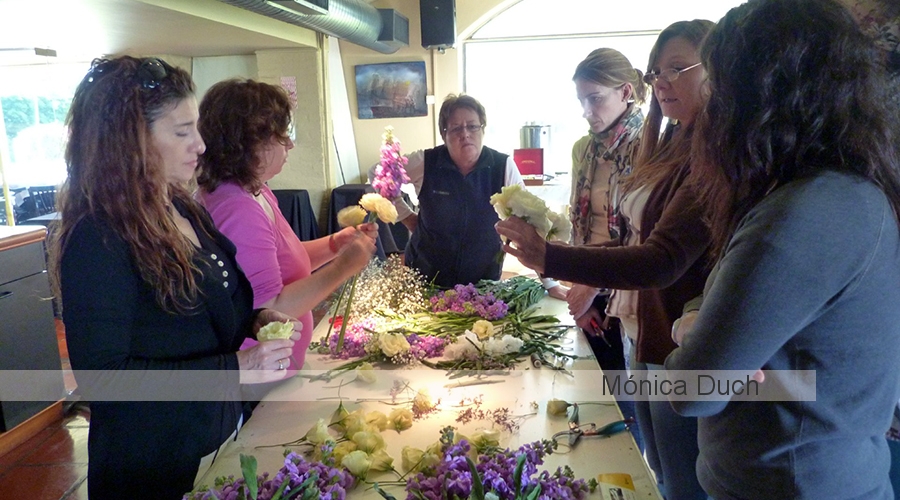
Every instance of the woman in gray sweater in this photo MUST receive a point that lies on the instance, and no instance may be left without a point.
(799, 159)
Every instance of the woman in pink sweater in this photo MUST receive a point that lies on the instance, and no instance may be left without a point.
(245, 126)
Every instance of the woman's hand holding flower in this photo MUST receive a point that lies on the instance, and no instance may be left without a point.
(356, 254)
(265, 362)
(523, 242)
(346, 236)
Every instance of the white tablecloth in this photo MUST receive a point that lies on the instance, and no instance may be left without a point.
(291, 409)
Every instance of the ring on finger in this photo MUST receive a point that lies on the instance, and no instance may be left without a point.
(281, 364)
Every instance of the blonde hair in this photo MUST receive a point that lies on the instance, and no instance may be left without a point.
(609, 68)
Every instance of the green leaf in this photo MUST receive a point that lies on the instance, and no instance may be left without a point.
(534, 493)
(477, 485)
(517, 474)
(383, 493)
(248, 469)
(280, 490)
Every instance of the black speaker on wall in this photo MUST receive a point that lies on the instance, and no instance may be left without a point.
(438, 23)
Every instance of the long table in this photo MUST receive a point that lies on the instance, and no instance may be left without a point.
(291, 409)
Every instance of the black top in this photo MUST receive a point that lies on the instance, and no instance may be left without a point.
(455, 241)
(151, 447)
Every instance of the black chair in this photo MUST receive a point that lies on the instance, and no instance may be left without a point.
(44, 199)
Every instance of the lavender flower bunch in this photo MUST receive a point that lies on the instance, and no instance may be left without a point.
(468, 301)
(390, 173)
(503, 474)
(298, 478)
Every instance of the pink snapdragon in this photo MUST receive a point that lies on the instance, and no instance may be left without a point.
(390, 173)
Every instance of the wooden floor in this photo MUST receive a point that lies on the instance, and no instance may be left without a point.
(52, 465)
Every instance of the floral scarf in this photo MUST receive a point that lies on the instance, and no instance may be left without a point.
(616, 147)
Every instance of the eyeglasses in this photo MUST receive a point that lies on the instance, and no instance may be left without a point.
(151, 73)
(669, 75)
(471, 129)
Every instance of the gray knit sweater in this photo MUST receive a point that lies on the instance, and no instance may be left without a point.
(810, 281)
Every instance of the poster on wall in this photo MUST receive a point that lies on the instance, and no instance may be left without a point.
(391, 90)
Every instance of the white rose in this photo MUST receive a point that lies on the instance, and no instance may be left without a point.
(275, 330)
(506, 345)
(485, 438)
(381, 461)
(377, 419)
(422, 402)
(560, 227)
(368, 442)
(355, 422)
(411, 458)
(483, 329)
(351, 216)
(386, 211)
(393, 344)
(357, 462)
(366, 373)
(318, 434)
(500, 200)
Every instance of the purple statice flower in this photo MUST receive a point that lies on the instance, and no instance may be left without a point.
(468, 301)
(390, 173)
(356, 337)
(330, 482)
(421, 347)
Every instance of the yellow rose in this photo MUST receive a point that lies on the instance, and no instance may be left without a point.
(318, 434)
(485, 438)
(483, 329)
(366, 373)
(355, 422)
(374, 202)
(342, 449)
(393, 344)
(351, 216)
(400, 419)
(557, 407)
(381, 461)
(411, 458)
(377, 419)
(275, 330)
(368, 442)
(357, 462)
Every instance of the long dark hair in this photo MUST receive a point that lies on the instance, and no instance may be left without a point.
(237, 117)
(116, 175)
(795, 88)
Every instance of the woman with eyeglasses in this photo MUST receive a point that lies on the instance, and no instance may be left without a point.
(244, 124)
(153, 299)
(799, 155)
(452, 238)
(668, 265)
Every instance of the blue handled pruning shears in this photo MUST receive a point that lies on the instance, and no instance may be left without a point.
(576, 430)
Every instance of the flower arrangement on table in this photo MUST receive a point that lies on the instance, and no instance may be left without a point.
(396, 319)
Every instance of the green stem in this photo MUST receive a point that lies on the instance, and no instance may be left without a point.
(346, 318)
(337, 307)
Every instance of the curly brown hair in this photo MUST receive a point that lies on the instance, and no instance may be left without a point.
(116, 175)
(796, 88)
(237, 118)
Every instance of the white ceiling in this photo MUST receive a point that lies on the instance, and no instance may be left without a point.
(80, 30)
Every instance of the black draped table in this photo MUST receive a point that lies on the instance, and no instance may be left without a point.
(297, 209)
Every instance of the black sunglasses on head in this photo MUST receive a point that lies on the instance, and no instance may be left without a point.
(151, 73)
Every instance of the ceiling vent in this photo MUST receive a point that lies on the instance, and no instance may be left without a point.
(352, 20)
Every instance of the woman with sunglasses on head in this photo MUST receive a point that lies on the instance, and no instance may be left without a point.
(452, 238)
(799, 158)
(149, 287)
(244, 124)
(668, 266)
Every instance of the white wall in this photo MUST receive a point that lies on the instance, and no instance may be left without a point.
(207, 71)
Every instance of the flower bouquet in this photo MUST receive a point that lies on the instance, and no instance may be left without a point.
(517, 201)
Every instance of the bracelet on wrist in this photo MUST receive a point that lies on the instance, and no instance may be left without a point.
(331, 244)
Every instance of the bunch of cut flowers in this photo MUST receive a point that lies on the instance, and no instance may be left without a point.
(456, 471)
(517, 201)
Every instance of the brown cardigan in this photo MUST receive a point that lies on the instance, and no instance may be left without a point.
(668, 268)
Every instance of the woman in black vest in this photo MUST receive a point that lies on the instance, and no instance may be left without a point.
(453, 240)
